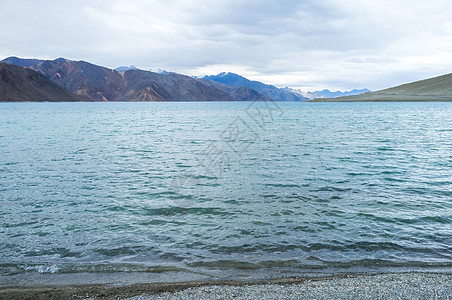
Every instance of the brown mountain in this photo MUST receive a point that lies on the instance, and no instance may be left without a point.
(242, 93)
(149, 86)
(83, 78)
(21, 84)
(103, 84)
(22, 62)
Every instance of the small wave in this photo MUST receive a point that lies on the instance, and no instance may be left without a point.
(14, 269)
(376, 218)
(279, 263)
(386, 149)
(331, 189)
(113, 252)
(426, 220)
(335, 246)
(60, 252)
(314, 263)
(177, 210)
(226, 265)
(282, 185)
(385, 263)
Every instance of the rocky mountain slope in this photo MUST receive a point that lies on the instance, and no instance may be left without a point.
(150, 86)
(240, 93)
(269, 91)
(83, 78)
(102, 84)
(22, 62)
(21, 84)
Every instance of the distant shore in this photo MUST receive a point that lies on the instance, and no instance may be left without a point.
(381, 97)
(375, 100)
(382, 286)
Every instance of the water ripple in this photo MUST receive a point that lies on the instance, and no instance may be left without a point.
(156, 187)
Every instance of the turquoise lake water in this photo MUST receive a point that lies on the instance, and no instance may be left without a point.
(239, 190)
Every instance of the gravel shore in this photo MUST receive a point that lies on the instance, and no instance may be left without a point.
(381, 286)
(388, 286)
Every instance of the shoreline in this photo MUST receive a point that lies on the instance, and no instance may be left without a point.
(343, 284)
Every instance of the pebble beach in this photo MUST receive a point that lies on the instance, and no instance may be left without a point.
(381, 286)
(391, 286)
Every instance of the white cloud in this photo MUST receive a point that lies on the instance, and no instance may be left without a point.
(337, 44)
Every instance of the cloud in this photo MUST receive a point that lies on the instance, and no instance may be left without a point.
(337, 44)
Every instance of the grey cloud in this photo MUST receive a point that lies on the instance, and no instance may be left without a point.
(341, 43)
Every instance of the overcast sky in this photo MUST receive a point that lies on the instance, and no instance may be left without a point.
(335, 44)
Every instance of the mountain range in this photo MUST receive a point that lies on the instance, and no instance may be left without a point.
(272, 92)
(329, 94)
(95, 83)
(67, 80)
(88, 82)
(102, 84)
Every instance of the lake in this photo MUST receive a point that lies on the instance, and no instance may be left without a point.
(146, 192)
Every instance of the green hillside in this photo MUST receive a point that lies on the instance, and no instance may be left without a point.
(433, 89)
